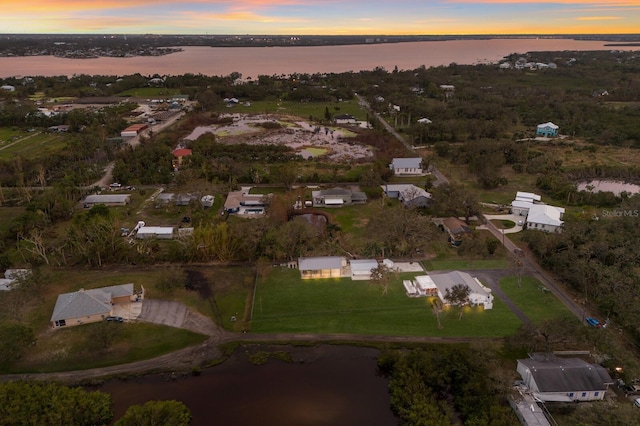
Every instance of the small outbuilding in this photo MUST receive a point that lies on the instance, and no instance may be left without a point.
(159, 232)
(109, 200)
(361, 268)
(407, 166)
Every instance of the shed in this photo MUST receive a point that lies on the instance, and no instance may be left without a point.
(106, 199)
(361, 268)
(159, 232)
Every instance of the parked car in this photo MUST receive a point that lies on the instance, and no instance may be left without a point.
(114, 319)
(636, 402)
(518, 252)
(594, 322)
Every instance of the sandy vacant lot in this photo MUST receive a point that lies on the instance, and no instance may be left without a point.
(307, 139)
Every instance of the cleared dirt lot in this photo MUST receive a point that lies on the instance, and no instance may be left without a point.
(307, 139)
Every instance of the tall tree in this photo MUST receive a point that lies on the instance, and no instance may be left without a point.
(458, 295)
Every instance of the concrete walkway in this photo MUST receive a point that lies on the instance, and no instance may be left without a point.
(512, 217)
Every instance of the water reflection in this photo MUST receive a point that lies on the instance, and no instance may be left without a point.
(324, 385)
(616, 187)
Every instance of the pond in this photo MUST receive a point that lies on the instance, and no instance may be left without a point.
(617, 187)
(323, 385)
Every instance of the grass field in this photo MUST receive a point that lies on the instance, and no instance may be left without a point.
(32, 145)
(68, 349)
(538, 303)
(285, 303)
(445, 265)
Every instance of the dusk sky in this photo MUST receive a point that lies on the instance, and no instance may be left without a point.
(300, 17)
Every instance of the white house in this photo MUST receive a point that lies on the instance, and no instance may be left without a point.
(8, 87)
(424, 120)
(523, 202)
(550, 378)
(542, 217)
(547, 129)
(478, 295)
(407, 166)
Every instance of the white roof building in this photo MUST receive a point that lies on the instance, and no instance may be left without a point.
(543, 217)
(361, 269)
(479, 294)
(159, 232)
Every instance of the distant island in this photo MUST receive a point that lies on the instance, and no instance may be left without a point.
(84, 46)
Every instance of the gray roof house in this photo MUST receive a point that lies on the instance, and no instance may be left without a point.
(550, 378)
(408, 194)
(479, 294)
(407, 166)
(337, 197)
(86, 306)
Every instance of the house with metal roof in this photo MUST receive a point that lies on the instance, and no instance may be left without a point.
(322, 267)
(523, 202)
(159, 232)
(407, 166)
(87, 306)
(337, 197)
(545, 218)
(361, 268)
(478, 295)
(551, 378)
(408, 194)
(109, 200)
(547, 130)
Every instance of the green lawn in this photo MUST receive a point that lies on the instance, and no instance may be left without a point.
(446, 265)
(32, 145)
(285, 303)
(538, 303)
(66, 349)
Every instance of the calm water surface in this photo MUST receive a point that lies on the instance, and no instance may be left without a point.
(254, 61)
(609, 186)
(334, 386)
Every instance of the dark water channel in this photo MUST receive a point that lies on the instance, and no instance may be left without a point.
(324, 385)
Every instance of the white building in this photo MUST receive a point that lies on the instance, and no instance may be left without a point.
(106, 199)
(159, 232)
(361, 268)
(523, 202)
(408, 194)
(438, 284)
(407, 166)
(542, 217)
